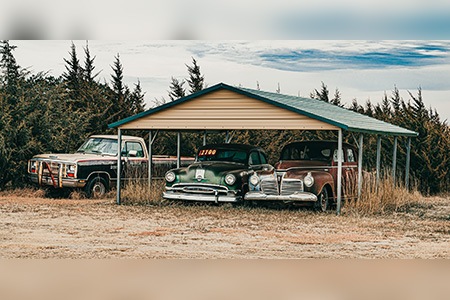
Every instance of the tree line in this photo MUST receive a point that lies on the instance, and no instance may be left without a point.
(41, 113)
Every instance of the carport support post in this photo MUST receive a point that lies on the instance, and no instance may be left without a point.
(378, 159)
(360, 158)
(408, 159)
(394, 161)
(339, 173)
(178, 149)
(119, 162)
(150, 159)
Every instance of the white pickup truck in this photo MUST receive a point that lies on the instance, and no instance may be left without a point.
(93, 167)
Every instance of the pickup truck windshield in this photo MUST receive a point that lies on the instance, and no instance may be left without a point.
(99, 146)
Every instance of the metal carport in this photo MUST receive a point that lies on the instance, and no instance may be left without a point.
(224, 107)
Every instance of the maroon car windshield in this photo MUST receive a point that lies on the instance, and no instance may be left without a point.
(313, 151)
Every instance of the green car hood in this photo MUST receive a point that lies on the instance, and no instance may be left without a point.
(214, 172)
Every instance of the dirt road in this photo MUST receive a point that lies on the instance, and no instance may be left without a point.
(53, 228)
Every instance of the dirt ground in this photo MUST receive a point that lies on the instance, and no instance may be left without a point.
(64, 228)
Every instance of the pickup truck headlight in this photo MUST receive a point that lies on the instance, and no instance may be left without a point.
(33, 166)
(308, 180)
(70, 170)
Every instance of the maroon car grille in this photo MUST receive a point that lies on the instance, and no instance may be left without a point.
(269, 187)
(290, 186)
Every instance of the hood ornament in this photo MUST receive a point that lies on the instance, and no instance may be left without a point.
(200, 174)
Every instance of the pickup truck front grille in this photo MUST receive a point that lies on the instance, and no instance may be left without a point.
(54, 167)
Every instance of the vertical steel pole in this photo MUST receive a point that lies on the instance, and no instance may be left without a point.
(119, 162)
(394, 160)
(204, 138)
(150, 159)
(178, 149)
(408, 160)
(360, 159)
(378, 159)
(339, 173)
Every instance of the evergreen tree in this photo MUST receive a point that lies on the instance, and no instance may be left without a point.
(118, 108)
(117, 77)
(196, 79)
(73, 78)
(337, 98)
(8, 64)
(89, 67)
(74, 73)
(137, 104)
(177, 90)
(322, 95)
(386, 107)
(396, 100)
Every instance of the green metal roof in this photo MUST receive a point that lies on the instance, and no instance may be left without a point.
(313, 108)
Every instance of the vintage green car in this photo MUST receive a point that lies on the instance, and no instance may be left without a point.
(220, 173)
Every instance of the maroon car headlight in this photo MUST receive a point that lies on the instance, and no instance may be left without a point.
(308, 180)
(230, 179)
(254, 180)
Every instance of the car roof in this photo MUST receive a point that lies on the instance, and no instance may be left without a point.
(114, 137)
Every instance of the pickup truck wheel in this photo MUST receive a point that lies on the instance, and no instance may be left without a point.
(322, 203)
(96, 187)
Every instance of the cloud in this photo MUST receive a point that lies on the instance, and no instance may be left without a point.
(307, 56)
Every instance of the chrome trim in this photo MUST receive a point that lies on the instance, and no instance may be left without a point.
(180, 185)
(269, 186)
(290, 186)
(300, 197)
(200, 197)
(314, 167)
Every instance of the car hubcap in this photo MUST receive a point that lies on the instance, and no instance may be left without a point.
(98, 189)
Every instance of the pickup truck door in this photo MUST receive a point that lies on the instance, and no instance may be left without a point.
(135, 161)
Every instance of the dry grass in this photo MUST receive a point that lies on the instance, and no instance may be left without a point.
(137, 192)
(24, 192)
(386, 197)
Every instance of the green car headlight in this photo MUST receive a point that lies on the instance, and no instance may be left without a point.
(230, 179)
(170, 176)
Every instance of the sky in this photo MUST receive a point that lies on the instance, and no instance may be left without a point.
(360, 69)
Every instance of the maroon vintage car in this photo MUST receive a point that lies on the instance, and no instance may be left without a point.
(307, 174)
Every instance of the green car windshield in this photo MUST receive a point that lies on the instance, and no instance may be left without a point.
(227, 155)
